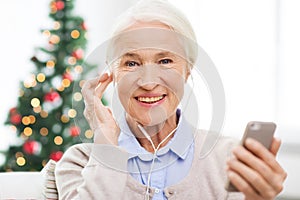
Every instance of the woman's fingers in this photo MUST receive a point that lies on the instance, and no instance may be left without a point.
(252, 170)
(95, 88)
(99, 116)
(104, 81)
(103, 115)
(276, 143)
(243, 186)
(264, 154)
(257, 166)
(88, 90)
(103, 77)
(101, 111)
(90, 87)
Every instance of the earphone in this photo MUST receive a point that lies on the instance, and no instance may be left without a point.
(147, 197)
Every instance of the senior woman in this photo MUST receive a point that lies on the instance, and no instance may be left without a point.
(152, 152)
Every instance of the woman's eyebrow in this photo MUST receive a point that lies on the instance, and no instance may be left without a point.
(165, 54)
(131, 55)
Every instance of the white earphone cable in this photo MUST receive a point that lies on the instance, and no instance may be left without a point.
(154, 155)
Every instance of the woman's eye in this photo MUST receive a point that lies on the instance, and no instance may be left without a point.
(131, 64)
(165, 61)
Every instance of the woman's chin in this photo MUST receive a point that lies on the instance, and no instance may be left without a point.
(150, 117)
(151, 121)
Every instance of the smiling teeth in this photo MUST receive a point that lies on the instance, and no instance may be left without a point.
(150, 99)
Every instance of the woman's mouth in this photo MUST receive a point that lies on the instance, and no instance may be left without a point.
(150, 100)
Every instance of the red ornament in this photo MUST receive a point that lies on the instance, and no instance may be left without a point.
(74, 131)
(13, 110)
(52, 96)
(56, 155)
(15, 118)
(78, 54)
(83, 26)
(68, 76)
(31, 147)
(59, 5)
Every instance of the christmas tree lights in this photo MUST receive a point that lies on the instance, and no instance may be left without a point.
(44, 116)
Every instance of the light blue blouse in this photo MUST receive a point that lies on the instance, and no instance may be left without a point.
(172, 163)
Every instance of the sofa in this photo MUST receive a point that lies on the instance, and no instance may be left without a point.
(41, 185)
(29, 185)
(21, 185)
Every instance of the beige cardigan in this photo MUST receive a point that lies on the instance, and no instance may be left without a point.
(89, 171)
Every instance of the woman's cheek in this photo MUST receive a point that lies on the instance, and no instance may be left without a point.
(175, 82)
(125, 84)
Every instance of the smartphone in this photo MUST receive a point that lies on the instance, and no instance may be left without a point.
(260, 131)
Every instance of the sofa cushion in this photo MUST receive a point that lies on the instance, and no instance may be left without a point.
(29, 185)
(21, 185)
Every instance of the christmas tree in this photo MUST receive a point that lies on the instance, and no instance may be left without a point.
(44, 116)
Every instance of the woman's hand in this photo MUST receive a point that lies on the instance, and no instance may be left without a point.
(99, 117)
(255, 171)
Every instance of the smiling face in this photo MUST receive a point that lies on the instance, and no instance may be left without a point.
(150, 81)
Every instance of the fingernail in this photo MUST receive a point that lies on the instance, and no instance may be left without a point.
(250, 141)
(228, 161)
(102, 77)
(227, 168)
(277, 139)
(230, 174)
(236, 149)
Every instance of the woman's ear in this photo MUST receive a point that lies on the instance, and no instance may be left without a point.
(110, 71)
(188, 73)
(113, 77)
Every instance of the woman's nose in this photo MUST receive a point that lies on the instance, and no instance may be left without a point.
(148, 85)
(148, 77)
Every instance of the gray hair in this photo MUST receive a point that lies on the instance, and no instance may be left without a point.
(162, 11)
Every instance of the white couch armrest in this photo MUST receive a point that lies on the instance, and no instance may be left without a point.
(21, 185)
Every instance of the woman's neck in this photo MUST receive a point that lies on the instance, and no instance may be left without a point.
(156, 132)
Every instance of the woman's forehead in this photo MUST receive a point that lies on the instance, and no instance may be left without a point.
(162, 40)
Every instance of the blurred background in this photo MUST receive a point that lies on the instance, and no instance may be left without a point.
(254, 44)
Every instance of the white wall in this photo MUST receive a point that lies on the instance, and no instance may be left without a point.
(21, 22)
